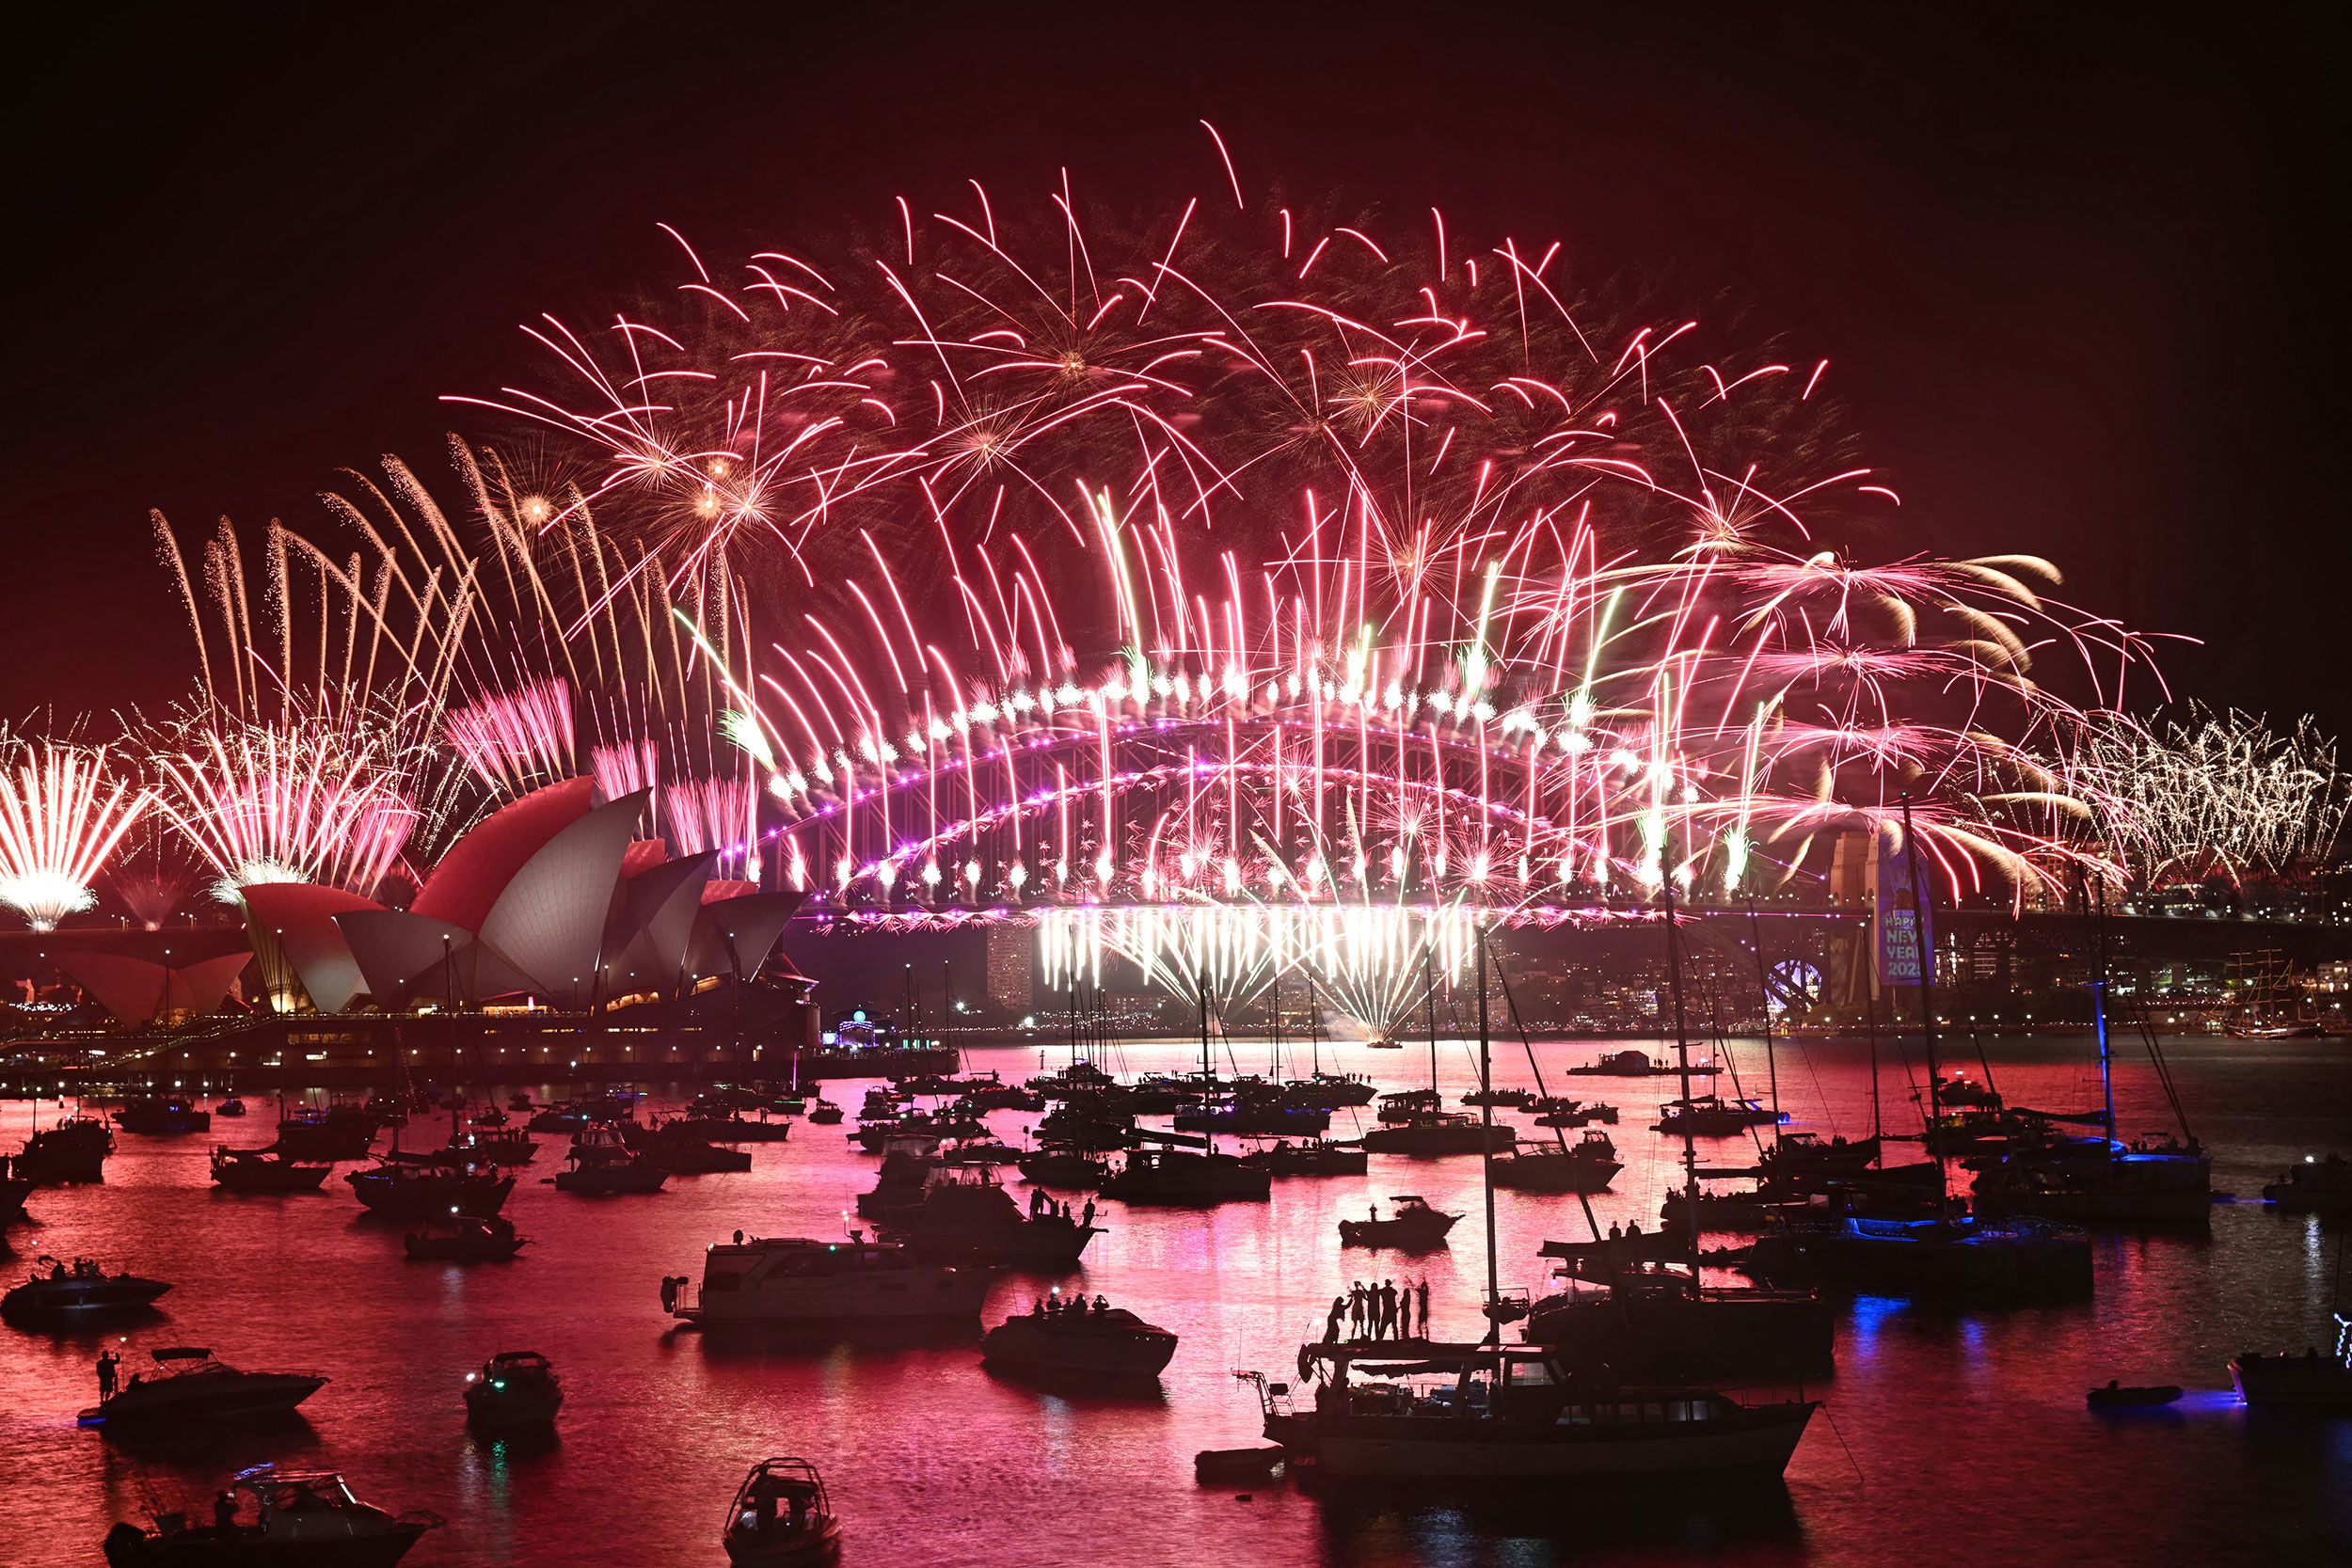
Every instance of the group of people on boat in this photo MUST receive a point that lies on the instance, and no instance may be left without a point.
(1056, 1305)
(1382, 1311)
(1042, 1205)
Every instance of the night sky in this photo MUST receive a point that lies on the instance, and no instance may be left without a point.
(2080, 283)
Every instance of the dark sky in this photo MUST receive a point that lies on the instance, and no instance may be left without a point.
(2081, 281)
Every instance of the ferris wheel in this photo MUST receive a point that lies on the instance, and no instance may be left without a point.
(1791, 986)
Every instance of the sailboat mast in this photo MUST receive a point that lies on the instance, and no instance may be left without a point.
(1486, 1141)
(1682, 1066)
(2098, 913)
(1429, 1008)
(1207, 1110)
(1927, 1004)
(1764, 1000)
(1870, 1026)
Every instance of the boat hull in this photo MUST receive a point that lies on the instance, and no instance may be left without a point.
(74, 1301)
(1024, 1345)
(127, 1547)
(919, 1295)
(2289, 1382)
(154, 1406)
(1727, 1334)
(1759, 1444)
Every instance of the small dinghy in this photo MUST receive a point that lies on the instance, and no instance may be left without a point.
(2116, 1396)
(1223, 1466)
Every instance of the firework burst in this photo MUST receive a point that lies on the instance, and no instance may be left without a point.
(61, 814)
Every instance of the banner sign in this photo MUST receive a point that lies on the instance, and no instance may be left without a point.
(1906, 931)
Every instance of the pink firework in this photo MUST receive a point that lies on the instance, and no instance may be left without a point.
(60, 816)
(518, 739)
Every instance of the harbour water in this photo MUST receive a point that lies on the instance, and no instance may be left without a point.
(1948, 1436)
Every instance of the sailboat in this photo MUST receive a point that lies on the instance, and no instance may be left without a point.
(1424, 1411)
(1416, 1122)
(2150, 1182)
(1185, 1168)
(1942, 1254)
(1646, 1310)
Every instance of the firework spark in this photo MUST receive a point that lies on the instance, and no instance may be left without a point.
(60, 816)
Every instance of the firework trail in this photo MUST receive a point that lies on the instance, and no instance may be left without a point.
(60, 816)
(1242, 585)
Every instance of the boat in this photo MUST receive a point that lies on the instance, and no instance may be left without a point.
(858, 1045)
(1711, 1115)
(1747, 1208)
(681, 1148)
(229, 1106)
(1588, 1166)
(2115, 1396)
(77, 1293)
(602, 1166)
(73, 1150)
(1330, 1091)
(258, 1170)
(1794, 1156)
(1384, 1042)
(1183, 1176)
(824, 1112)
(162, 1115)
(1508, 1100)
(781, 1515)
(1477, 1412)
(796, 1282)
(1578, 1115)
(1316, 1157)
(1071, 1338)
(2022, 1258)
(729, 1128)
(428, 1192)
(300, 1519)
(1960, 1089)
(1237, 1466)
(2149, 1182)
(1253, 1116)
(1415, 1227)
(337, 1131)
(1623, 1064)
(962, 1215)
(463, 1239)
(516, 1389)
(191, 1385)
(2307, 1382)
(1438, 1133)
(2315, 1186)
(1059, 1166)
(1650, 1320)
(1636, 1306)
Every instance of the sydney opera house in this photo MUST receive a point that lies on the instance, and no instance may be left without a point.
(551, 928)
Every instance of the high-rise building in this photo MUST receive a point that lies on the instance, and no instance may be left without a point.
(1011, 971)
